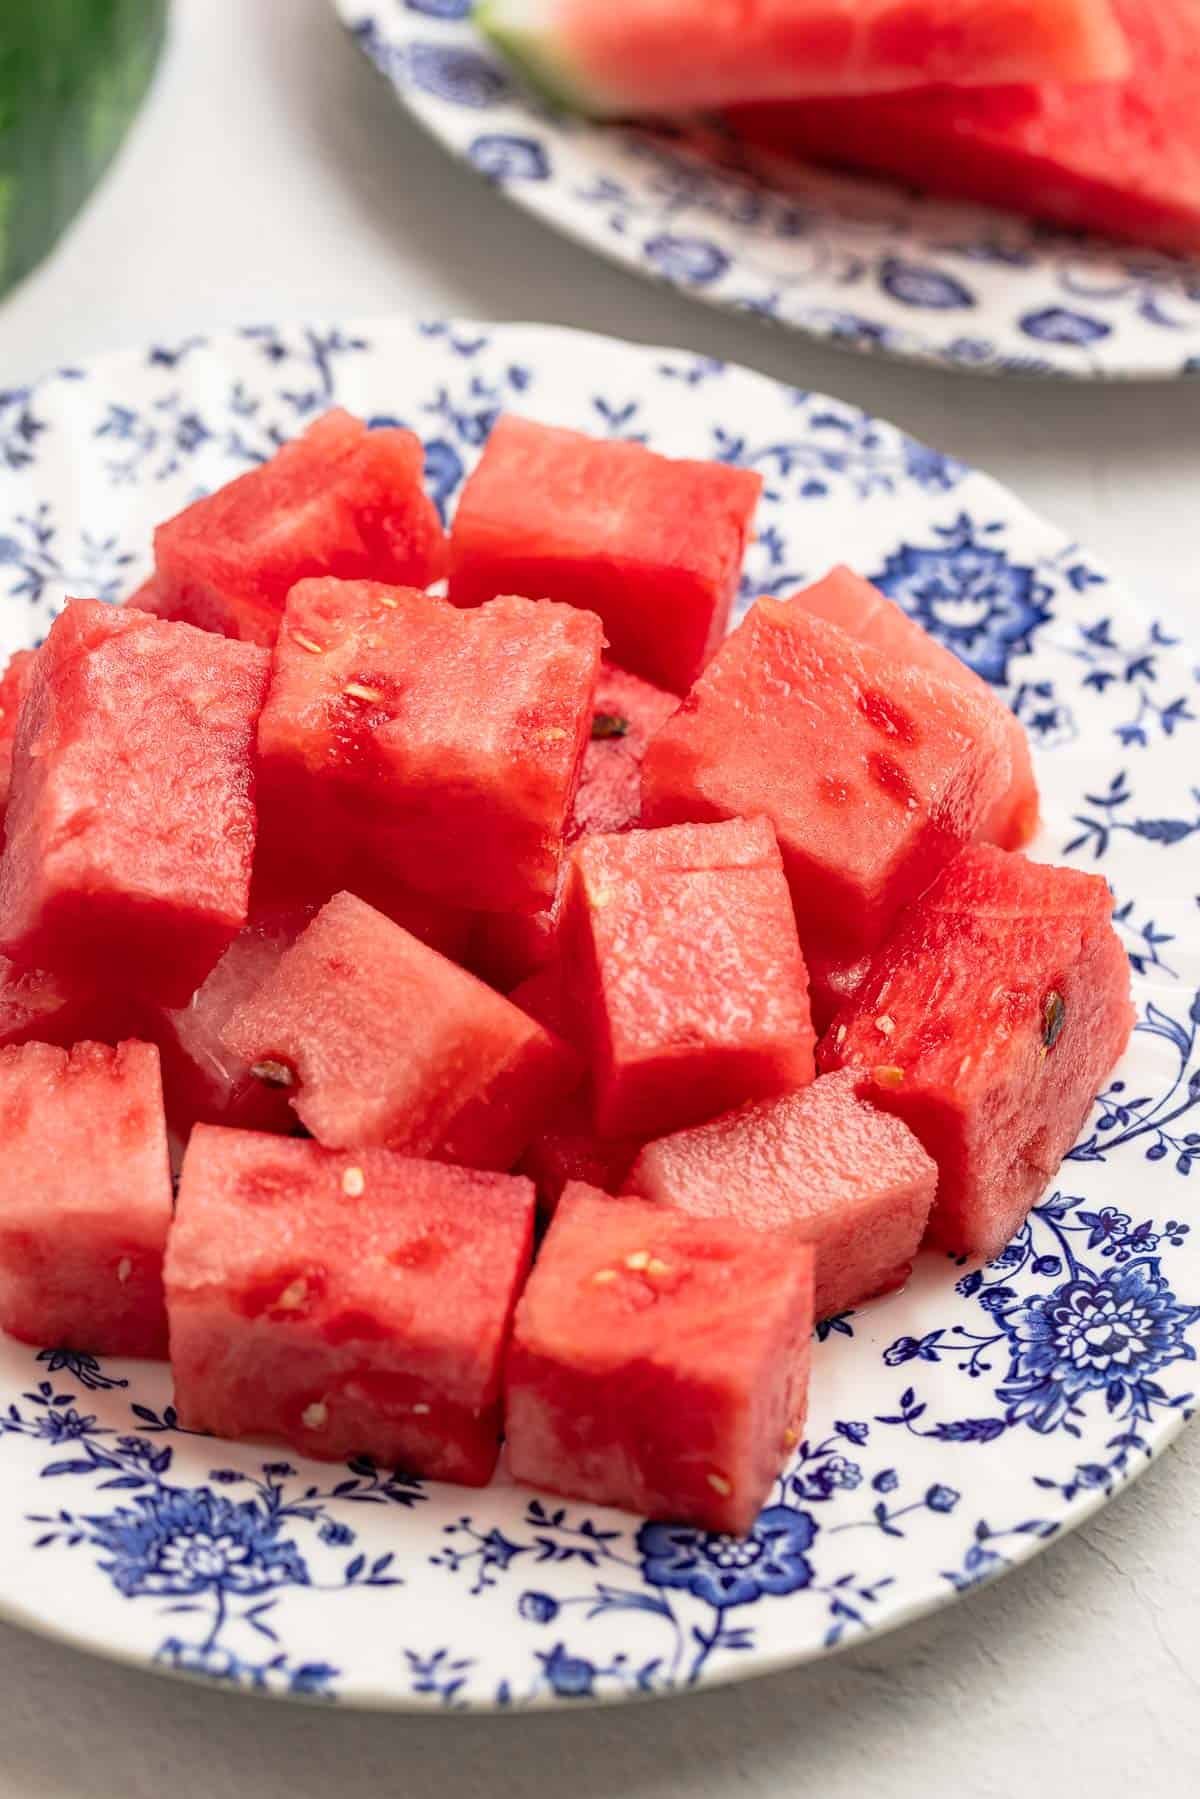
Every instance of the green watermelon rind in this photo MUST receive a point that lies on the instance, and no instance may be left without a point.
(521, 31)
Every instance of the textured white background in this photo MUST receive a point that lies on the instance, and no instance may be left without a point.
(272, 176)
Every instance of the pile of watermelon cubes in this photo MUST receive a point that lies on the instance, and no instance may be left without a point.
(416, 898)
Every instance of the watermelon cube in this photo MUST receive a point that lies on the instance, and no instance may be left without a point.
(654, 547)
(659, 1362)
(873, 773)
(821, 1165)
(426, 744)
(14, 685)
(85, 1198)
(379, 1040)
(686, 984)
(131, 825)
(339, 500)
(350, 1304)
(509, 947)
(844, 598)
(988, 1023)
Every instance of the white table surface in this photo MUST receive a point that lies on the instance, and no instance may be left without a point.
(271, 176)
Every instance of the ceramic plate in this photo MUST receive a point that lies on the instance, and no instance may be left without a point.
(956, 1428)
(865, 265)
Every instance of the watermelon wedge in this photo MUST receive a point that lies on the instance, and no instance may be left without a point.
(685, 982)
(14, 685)
(845, 599)
(823, 1166)
(85, 1198)
(873, 773)
(1121, 158)
(659, 1362)
(131, 823)
(379, 1040)
(988, 1023)
(350, 1304)
(340, 500)
(679, 56)
(653, 546)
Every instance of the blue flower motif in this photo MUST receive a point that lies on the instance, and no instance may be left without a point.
(914, 285)
(729, 1571)
(460, 75)
(58, 1426)
(1092, 1334)
(443, 470)
(694, 261)
(886, 1481)
(538, 1608)
(968, 595)
(501, 156)
(942, 1499)
(932, 470)
(338, 1536)
(1059, 325)
(195, 1541)
(832, 1475)
(440, 9)
(570, 1676)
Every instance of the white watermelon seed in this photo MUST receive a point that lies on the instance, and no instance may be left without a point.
(293, 1297)
(719, 1484)
(657, 1266)
(638, 1260)
(422, 1411)
(885, 1025)
(353, 1183)
(602, 1276)
(124, 1269)
(314, 1416)
(308, 643)
(356, 691)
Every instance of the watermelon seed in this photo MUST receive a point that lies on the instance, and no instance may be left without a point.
(839, 1036)
(307, 643)
(719, 1484)
(1054, 1017)
(273, 1073)
(639, 1260)
(353, 1183)
(656, 1266)
(293, 1297)
(356, 691)
(885, 1025)
(314, 1416)
(603, 1276)
(124, 1269)
(887, 1076)
(385, 599)
(421, 1411)
(790, 1439)
(608, 724)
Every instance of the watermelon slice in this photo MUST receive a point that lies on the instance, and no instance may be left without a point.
(873, 773)
(685, 978)
(379, 1040)
(679, 56)
(654, 547)
(85, 1198)
(398, 731)
(844, 598)
(509, 947)
(1122, 159)
(349, 1304)
(659, 1362)
(988, 1023)
(131, 824)
(340, 500)
(822, 1165)
(14, 685)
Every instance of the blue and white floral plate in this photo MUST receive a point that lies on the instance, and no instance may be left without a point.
(866, 265)
(956, 1428)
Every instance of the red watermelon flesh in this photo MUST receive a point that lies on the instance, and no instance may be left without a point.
(37, 1006)
(340, 500)
(508, 947)
(131, 824)
(680, 56)
(1122, 158)
(654, 547)
(408, 739)
(844, 598)
(85, 1198)
(873, 773)
(823, 1166)
(348, 1303)
(379, 1040)
(686, 983)
(14, 685)
(659, 1362)
(988, 1023)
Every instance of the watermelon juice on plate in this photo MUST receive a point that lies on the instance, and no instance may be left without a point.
(964, 1399)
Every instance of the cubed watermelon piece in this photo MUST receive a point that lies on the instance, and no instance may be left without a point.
(131, 824)
(873, 773)
(659, 1362)
(682, 56)
(654, 547)
(203, 1081)
(509, 947)
(844, 598)
(350, 1304)
(85, 1198)
(822, 1165)
(988, 1023)
(379, 1040)
(686, 985)
(1120, 157)
(339, 500)
(14, 685)
(406, 738)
